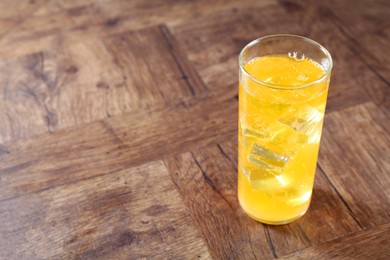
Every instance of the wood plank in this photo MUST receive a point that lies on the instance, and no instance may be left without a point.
(75, 21)
(369, 244)
(55, 6)
(156, 56)
(51, 90)
(209, 191)
(213, 42)
(190, 75)
(12, 13)
(114, 143)
(133, 213)
(355, 154)
(92, 80)
(21, 9)
(327, 218)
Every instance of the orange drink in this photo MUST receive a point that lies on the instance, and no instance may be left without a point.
(282, 99)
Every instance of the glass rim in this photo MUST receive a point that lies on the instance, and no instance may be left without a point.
(282, 87)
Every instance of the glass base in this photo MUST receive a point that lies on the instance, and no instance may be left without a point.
(282, 222)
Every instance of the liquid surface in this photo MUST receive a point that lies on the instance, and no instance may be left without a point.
(284, 70)
(279, 135)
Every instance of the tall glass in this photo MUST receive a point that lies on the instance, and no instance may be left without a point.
(283, 89)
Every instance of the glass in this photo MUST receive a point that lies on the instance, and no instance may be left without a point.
(283, 87)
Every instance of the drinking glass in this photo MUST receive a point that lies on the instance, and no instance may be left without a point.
(283, 87)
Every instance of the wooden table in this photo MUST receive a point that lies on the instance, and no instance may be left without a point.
(118, 130)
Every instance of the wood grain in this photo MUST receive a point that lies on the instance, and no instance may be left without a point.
(209, 191)
(50, 23)
(132, 213)
(352, 153)
(118, 130)
(89, 81)
(371, 244)
(112, 144)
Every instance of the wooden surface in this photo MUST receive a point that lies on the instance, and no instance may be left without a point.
(118, 130)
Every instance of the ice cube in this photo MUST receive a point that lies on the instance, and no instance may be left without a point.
(269, 162)
(271, 157)
(264, 131)
(262, 179)
(307, 121)
(265, 167)
(252, 132)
